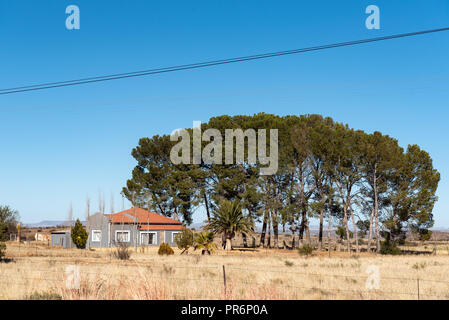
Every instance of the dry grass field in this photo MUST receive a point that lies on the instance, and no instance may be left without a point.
(36, 271)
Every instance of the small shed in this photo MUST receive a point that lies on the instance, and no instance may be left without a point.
(61, 238)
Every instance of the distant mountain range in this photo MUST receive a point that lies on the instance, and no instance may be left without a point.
(197, 226)
(48, 224)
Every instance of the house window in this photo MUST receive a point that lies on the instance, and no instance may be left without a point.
(173, 236)
(148, 238)
(122, 236)
(96, 235)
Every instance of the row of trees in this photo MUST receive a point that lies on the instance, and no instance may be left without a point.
(359, 182)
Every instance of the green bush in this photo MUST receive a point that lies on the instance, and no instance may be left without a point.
(165, 248)
(388, 247)
(341, 232)
(305, 250)
(79, 235)
(184, 240)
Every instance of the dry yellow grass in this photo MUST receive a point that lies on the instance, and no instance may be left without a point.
(267, 274)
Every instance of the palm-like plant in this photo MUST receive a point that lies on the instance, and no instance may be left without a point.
(205, 241)
(229, 220)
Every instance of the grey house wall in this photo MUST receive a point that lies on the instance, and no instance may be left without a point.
(158, 236)
(61, 239)
(108, 232)
(168, 237)
(132, 228)
(98, 222)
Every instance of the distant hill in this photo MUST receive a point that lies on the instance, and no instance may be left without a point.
(48, 224)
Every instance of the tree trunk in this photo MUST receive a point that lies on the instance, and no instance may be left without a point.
(228, 244)
(329, 233)
(370, 235)
(269, 231)
(320, 236)
(345, 222)
(276, 231)
(345, 218)
(223, 241)
(354, 227)
(293, 229)
(306, 224)
(377, 233)
(264, 230)
(302, 225)
(207, 206)
(375, 209)
(245, 242)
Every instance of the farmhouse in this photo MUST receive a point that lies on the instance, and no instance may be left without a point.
(134, 226)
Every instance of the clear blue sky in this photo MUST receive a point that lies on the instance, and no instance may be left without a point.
(60, 145)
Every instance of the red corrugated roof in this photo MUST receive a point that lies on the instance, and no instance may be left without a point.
(161, 227)
(139, 215)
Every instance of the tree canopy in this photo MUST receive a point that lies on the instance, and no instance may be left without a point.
(326, 170)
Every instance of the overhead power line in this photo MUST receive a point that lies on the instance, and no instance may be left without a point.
(58, 84)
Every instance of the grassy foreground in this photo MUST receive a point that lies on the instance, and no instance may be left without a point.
(38, 272)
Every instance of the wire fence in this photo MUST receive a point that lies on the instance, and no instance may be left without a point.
(225, 276)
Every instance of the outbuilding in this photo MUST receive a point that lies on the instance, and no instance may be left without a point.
(61, 238)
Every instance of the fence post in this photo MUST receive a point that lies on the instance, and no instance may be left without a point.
(224, 279)
(417, 280)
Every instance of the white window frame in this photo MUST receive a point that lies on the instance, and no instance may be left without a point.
(173, 234)
(123, 231)
(155, 237)
(93, 239)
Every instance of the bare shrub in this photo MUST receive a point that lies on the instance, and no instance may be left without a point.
(288, 263)
(48, 295)
(122, 251)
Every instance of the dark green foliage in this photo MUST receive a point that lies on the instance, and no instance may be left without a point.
(2, 250)
(79, 235)
(326, 170)
(165, 249)
(184, 240)
(3, 231)
(389, 247)
(363, 226)
(424, 234)
(305, 250)
(342, 233)
(228, 219)
(9, 218)
(8, 222)
(205, 242)
(158, 181)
